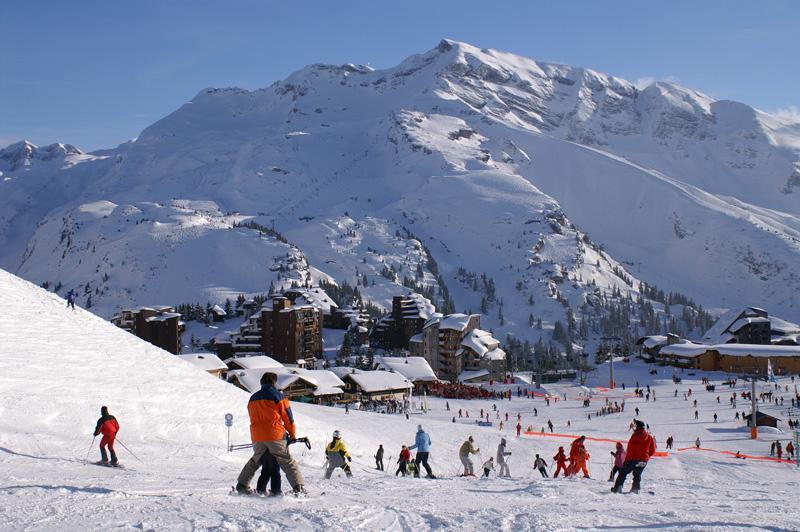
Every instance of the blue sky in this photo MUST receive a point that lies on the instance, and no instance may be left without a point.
(95, 73)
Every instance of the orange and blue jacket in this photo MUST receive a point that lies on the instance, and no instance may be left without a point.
(270, 415)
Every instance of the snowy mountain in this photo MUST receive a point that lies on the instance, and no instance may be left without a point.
(561, 185)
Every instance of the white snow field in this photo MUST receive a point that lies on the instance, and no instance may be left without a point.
(58, 366)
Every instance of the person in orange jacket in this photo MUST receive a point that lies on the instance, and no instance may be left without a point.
(108, 426)
(561, 462)
(641, 447)
(272, 428)
(578, 457)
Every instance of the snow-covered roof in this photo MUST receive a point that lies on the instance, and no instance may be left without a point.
(719, 333)
(324, 382)
(314, 296)
(484, 345)
(204, 361)
(341, 371)
(782, 327)
(378, 381)
(415, 369)
(416, 339)
(466, 376)
(741, 322)
(219, 311)
(653, 341)
(255, 362)
(456, 322)
(690, 350)
(417, 305)
(163, 317)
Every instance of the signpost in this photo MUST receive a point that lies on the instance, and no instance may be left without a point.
(229, 424)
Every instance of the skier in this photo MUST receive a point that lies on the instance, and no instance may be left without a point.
(561, 463)
(337, 455)
(715, 417)
(270, 472)
(790, 449)
(108, 426)
(379, 458)
(519, 428)
(578, 457)
(270, 419)
(619, 461)
(71, 299)
(641, 447)
(670, 440)
(488, 467)
(402, 461)
(779, 450)
(697, 443)
(550, 425)
(540, 465)
(501, 459)
(422, 444)
(467, 448)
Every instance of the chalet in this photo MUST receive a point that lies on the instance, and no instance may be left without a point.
(218, 314)
(208, 362)
(649, 346)
(408, 316)
(752, 325)
(253, 362)
(415, 369)
(296, 383)
(377, 385)
(481, 351)
(762, 420)
(159, 325)
(734, 358)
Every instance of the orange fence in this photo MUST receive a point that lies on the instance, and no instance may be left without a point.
(659, 454)
(739, 455)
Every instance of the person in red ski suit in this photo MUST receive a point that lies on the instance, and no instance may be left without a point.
(578, 457)
(561, 462)
(108, 426)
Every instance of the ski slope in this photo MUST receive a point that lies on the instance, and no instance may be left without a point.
(57, 366)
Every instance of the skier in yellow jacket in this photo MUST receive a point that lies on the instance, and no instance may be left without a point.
(337, 455)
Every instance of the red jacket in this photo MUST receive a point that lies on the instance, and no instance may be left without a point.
(405, 455)
(560, 458)
(107, 426)
(575, 449)
(641, 446)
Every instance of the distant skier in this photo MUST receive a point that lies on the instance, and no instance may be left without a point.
(641, 447)
(379, 458)
(519, 428)
(501, 459)
(697, 443)
(540, 465)
(619, 461)
(561, 463)
(790, 449)
(670, 441)
(467, 448)
(71, 299)
(270, 419)
(488, 467)
(108, 426)
(337, 455)
(422, 444)
(402, 461)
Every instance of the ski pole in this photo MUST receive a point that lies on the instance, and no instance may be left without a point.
(89, 450)
(126, 448)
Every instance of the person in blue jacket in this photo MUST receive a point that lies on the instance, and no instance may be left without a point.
(422, 444)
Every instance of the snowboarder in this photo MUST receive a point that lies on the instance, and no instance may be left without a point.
(641, 447)
(379, 458)
(561, 463)
(270, 419)
(402, 461)
(422, 444)
(540, 465)
(270, 472)
(337, 455)
(619, 461)
(488, 467)
(501, 459)
(108, 426)
(467, 448)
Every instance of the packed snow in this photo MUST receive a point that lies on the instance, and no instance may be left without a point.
(57, 366)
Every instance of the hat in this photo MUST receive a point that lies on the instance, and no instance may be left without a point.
(639, 424)
(419, 428)
(104, 410)
(619, 444)
(337, 434)
(470, 438)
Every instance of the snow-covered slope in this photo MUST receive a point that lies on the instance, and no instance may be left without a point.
(57, 366)
(485, 158)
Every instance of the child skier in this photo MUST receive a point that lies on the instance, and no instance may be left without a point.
(402, 461)
(488, 467)
(270, 472)
(108, 426)
(561, 463)
(336, 453)
(619, 461)
(540, 465)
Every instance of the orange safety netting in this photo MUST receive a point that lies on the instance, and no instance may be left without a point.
(660, 454)
(739, 455)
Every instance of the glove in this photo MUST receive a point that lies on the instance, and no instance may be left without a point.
(349, 458)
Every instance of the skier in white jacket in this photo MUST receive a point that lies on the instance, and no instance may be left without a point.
(501, 459)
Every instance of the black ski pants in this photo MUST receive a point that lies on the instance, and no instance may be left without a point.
(422, 458)
(269, 472)
(630, 466)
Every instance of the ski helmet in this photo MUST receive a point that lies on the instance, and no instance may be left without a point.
(337, 434)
